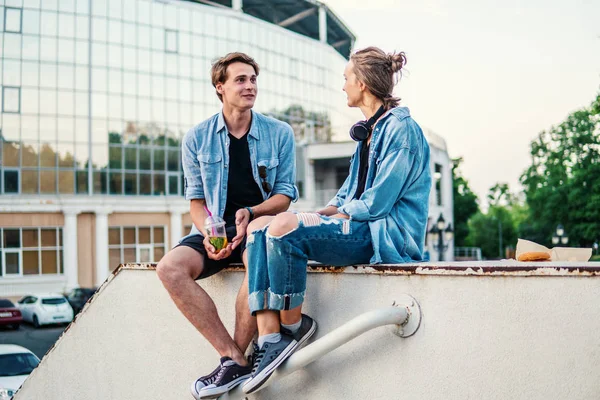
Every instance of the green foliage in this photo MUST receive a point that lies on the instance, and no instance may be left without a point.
(465, 203)
(562, 184)
(497, 229)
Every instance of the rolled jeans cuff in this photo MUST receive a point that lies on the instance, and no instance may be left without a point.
(267, 300)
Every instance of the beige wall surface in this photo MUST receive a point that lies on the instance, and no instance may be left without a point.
(481, 337)
(15, 220)
(86, 249)
(138, 219)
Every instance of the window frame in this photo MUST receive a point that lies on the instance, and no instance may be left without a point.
(9, 250)
(4, 99)
(138, 247)
(3, 179)
(6, 10)
(58, 248)
(176, 33)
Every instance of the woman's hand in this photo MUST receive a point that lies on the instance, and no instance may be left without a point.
(341, 216)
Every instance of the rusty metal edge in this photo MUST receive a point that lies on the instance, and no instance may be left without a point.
(489, 268)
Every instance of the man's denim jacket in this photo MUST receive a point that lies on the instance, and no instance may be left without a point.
(395, 202)
(205, 158)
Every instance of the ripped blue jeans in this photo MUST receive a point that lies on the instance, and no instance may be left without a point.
(277, 264)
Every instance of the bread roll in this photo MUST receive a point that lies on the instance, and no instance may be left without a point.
(534, 256)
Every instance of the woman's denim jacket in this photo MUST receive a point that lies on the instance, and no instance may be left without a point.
(395, 202)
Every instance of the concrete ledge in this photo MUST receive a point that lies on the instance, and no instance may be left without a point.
(494, 331)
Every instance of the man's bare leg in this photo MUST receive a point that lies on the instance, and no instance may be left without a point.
(245, 323)
(178, 270)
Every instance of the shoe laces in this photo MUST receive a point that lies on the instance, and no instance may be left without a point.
(210, 379)
(252, 356)
(219, 375)
(258, 356)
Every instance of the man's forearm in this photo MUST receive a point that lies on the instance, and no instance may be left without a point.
(198, 214)
(274, 205)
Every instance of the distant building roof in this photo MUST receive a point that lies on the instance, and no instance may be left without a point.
(435, 140)
(300, 16)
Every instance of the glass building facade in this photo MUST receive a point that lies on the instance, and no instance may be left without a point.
(96, 95)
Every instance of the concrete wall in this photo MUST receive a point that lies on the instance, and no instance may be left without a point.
(498, 332)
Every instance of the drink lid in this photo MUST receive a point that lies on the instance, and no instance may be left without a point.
(214, 221)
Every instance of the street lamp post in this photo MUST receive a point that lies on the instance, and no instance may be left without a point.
(560, 236)
(441, 234)
(596, 247)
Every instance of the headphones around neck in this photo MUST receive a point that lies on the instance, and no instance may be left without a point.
(361, 130)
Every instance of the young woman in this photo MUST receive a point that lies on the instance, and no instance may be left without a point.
(379, 215)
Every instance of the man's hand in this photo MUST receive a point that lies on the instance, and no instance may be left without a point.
(242, 219)
(340, 215)
(213, 254)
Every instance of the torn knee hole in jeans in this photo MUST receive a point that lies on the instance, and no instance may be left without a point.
(312, 219)
(250, 236)
(309, 219)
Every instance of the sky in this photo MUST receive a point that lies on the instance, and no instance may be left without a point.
(486, 75)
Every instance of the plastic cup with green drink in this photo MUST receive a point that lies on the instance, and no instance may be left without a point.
(217, 236)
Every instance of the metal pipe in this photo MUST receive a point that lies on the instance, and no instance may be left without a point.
(395, 315)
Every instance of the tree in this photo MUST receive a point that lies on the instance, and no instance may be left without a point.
(496, 229)
(562, 184)
(465, 203)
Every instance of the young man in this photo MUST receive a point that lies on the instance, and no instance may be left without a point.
(240, 165)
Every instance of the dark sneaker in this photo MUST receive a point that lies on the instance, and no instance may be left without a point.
(307, 328)
(229, 376)
(204, 381)
(269, 357)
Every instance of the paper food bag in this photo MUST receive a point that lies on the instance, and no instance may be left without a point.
(556, 253)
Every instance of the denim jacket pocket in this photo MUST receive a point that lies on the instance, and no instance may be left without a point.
(271, 165)
(210, 168)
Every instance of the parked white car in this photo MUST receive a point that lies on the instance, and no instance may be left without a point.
(44, 309)
(16, 363)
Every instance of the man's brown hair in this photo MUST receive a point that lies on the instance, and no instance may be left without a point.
(218, 71)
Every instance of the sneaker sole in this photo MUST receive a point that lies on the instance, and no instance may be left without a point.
(308, 334)
(213, 393)
(193, 390)
(254, 383)
(262, 377)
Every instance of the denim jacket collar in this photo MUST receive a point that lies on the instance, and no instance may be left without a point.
(254, 131)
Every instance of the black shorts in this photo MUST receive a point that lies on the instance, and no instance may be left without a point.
(211, 266)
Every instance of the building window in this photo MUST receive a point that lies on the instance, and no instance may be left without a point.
(11, 99)
(11, 181)
(12, 19)
(31, 251)
(300, 186)
(171, 41)
(437, 176)
(173, 188)
(135, 244)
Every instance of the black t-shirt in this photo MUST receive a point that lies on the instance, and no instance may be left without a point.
(363, 168)
(242, 190)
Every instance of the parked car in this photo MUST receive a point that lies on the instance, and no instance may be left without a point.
(79, 296)
(10, 315)
(44, 309)
(16, 363)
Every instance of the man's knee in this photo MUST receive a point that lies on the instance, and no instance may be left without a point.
(283, 223)
(170, 269)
